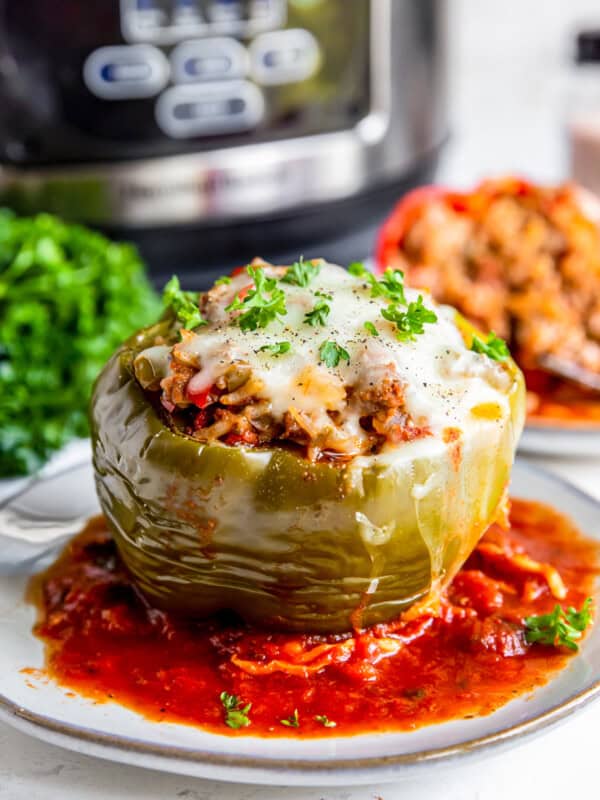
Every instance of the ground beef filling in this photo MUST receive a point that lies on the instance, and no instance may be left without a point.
(229, 411)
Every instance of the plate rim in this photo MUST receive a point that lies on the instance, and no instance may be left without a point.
(171, 757)
(101, 744)
(560, 441)
(583, 428)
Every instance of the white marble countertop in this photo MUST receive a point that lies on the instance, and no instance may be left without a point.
(561, 763)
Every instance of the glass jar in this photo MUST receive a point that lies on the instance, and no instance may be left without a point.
(583, 112)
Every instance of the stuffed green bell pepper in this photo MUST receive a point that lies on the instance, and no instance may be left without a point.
(312, 448)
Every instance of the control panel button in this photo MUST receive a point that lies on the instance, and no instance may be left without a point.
(209, 109)
(149, 14)
(126, 72)
(167, 23)
(286, 56)
(186, 12)
(262, 9)
(220, 58)
(225, 11)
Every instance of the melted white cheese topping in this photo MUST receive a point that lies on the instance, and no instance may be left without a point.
(443, 380)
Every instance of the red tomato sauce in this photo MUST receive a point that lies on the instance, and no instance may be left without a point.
(463, 656)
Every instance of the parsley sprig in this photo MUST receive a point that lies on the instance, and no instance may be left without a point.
(236, 716)
(358, 269)
(184, 304)
(562, 627)
(277, 349)
(325, 721)
(494, 348)
(332, 353)
(409, 322)
(302, 273)
(261, 305)
(319, 313)
(293, 721)
(390, 286)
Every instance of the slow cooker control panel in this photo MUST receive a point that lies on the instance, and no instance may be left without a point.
(205, 63)
(149, 78)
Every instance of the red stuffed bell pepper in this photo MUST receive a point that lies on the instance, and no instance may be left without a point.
(520, 260)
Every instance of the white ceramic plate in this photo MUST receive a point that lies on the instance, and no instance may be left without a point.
(557, 440)
(108, 730)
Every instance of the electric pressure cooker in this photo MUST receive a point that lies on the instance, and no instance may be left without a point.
(208, 129)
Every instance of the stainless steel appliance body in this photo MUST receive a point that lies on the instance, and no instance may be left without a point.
(205, 117)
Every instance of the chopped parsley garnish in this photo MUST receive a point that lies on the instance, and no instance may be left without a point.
(368, 326)
(184, 304)
(390, 286)
(261, 305)
(411, 322)
(325, 722)
(559, 628)
(277, 349)
(495, 347)
(319, 313)
(358, 269)
(302, 273)
(293, 721)
(331, 354)
(223, 281)
(235, 716)
(68, 298)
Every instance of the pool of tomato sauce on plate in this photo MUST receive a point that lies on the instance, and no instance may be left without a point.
(105, 642)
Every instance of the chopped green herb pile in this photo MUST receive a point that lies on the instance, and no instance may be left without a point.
(236, 716)
(68, 298)
(559, 628)
(495, 347)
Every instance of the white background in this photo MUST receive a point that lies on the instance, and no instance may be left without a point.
(510, 76)
(510, 83)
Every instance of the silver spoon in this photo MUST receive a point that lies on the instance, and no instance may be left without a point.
(570, 371)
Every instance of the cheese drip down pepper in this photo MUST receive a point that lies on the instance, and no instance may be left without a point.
(295, 537)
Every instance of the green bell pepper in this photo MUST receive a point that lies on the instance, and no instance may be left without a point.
(282, 541)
